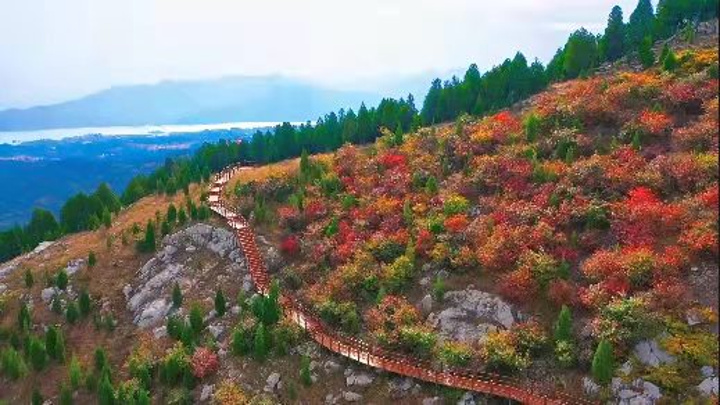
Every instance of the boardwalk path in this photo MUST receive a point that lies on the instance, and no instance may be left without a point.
(359, 350)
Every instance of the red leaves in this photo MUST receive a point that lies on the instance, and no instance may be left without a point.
(456, 223)
(654, 123)
(204, 362)
(391, 160)
(290, 246)
(642, 219)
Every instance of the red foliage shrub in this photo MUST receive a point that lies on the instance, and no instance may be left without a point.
(519, 285)
(562, 292)
(642, 219)
(391, 160)
(456, 223)
(654, 122)
(204, 362)
(290, 246)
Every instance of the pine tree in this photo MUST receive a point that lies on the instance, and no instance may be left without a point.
(61, 280)
(75, 373)
(563, 326)
(613, 42)
(72, 313)
(431, 186)
(37, 353)
(66, 395)
(148, 244)
(260, 343)
(305, 375)
(92, 259)
(51, 342)
(602, 364)
(177, 296)
(196, 319)
(645, 53)
(24, 318)
(106, 393)
(640, 24)
(56, 306)
(29, 279)
(182, 217)
(12, 363)
(220, 303)
(85, 303)
(670, 63)
(580, 54)
(36, 398)
(172, 213)
(165, 228)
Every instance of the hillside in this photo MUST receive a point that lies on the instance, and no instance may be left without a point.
(231, 99)
(460, 244)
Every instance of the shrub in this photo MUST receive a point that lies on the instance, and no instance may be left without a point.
(228, 393)
(29, 279)
(563, 326)
(260, 343)
(61, 280)
(565, 353)
(106, 392)
(72, 313)
(417, 340)
(177, 296)
(290, 246)
(602, 364)
(196, 319)
(56, 305)
(179, 396)
(438, 288)
(242, 340)
(54, 343)
(220, 303)
(24, 318)
(500, 352)
(37, 353)
(305, 376)
(204, 362)
(454, 354)
(85, 303)
(75, 373)
(36, 397)
(13, 364)
(66, 395)
(92, 259)
(175, 364)
(101, 361)
(454, 205)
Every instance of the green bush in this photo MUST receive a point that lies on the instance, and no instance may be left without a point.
(29, 279)
(36, 398)
(305, 376)
(196, 319)
(13, 364)
(75, 373)
(101, 360)
(220, 303)
(66, 395)
(565, 353)
(242, 340)
(177, 296)
(175, 365)
(454, 354)
(72, 313)
(85, 303)
(61, 280)
(55, 344)
(37, 353)
(92, 259)
(563, 326)
(261, 344)
(175, 326)
(106, 392)
(417, 341)
(603, 363)
(24, 318)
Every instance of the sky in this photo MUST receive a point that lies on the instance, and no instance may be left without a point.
(55, 50)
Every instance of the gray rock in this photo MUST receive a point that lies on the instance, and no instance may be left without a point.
(216, 330)
(359, 379)
(707, 371)
(235, 309)
(467, 399)
(651, 354)
(47, 294)
(330, 399)
(590, 387)
(433, 401)
(272, 382)
(74, 266)
(471, 314)
(153, 313)
(640, 392)
(331, 367)
(350, 396)
(206, 392)
(160, 332)
(709, 386)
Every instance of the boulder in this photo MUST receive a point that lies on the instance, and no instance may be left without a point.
(272, 382)
(350, 396)
(206, 392)
(47, 294)
(153, 313)
(651, 354)
(359, 379)
(709, 386)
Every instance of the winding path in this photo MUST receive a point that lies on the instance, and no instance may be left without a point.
(359, 350)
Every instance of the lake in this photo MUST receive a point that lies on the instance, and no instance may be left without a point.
(14, 137)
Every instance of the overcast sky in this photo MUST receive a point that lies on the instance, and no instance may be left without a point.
(53, 50)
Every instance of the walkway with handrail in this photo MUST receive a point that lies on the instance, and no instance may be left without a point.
(357, 349)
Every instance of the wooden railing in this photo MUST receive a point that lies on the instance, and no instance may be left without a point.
(359, 350)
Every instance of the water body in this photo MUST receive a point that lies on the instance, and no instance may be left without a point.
(15, 137)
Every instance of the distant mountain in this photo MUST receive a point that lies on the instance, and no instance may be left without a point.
(230, 99)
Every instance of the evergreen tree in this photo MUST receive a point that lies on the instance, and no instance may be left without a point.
(36, 398)
(613, 42)
(37, 353)
(580, 54)
(106, 393)
(29, 279)
(24, 318)
(92, 259)
(72, 313)
(53, 342)
(305, 375)
(85, 303)
(260, 342)
(66, 395)
(670, 63)
(75, 373)
(645, 53)
(172, 214)
(220, 304)
(177, 296)
(431, 186)
(61, 280)
(182, 217)
(148, 243)
(640, 24)
(603, 363)
(196, 319)
(56, 306)
(165, 228)
(563, 326)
